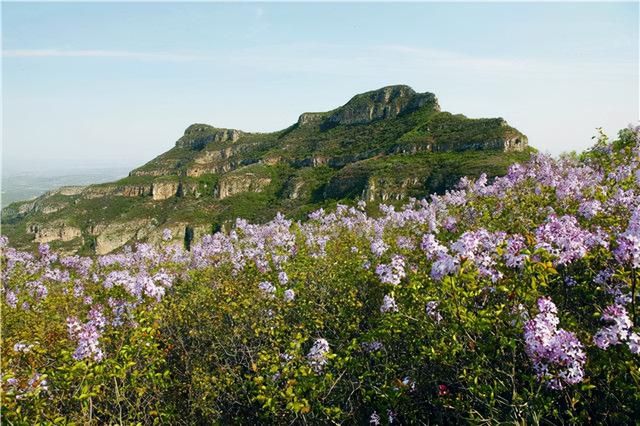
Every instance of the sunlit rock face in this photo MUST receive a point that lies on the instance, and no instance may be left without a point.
(385, 103)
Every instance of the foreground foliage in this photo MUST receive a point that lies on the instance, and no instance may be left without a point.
(512, 301)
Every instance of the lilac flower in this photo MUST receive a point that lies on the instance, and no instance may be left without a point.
(317, 215)
(432, 311)
(12, 299)
(120, 309)
(283, 278)
(405, 243)
(563, 238)
(480, 247)
(317, 356)
(392, 273)
(82, 265)
(87, 335)
(449, 223)
(443, 266)
(374, 419)
(388, 305)
(409, 383)
(22, 347)
(590, 208)
(267, 288)
(37, 383)
(163, 279)
(78, 289)
(628, 249)
(370, 347)
(519, 311)
(513, 254)
(37, 289)
(44, 250)
(557, 354)
(378, 247)
(634, 343)
(617, 332)
(432, 247)
(289, 295)
(167, 235)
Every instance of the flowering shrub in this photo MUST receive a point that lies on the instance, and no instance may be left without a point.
(506, 301)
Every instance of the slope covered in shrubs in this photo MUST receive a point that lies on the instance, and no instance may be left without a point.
(513, 300)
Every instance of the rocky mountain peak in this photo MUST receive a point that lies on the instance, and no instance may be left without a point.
(387, 102)
(197, 136)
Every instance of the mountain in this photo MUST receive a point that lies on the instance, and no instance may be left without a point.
(382, 146)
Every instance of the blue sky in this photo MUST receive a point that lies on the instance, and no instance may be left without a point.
(119, 82)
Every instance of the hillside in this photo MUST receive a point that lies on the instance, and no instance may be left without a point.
(385, 145)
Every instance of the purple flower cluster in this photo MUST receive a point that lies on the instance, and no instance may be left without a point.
(558, 356)
(445, 265)
(317, 356)
(289, 295)
(564, 239)
(370, 347)
(514, 255)
(388, 304)
(628, 242)
(618, 331)
(267, 288)
(590, 208)
(432, 311)
(392, 273)
(432, 248)
(88, 334)
(480, 247)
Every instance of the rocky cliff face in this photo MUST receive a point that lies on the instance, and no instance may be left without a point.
(245, 182)
(385, 103)
(115, 235)
(164, 190)
(382, 146)
(197, 136)
(53, 231)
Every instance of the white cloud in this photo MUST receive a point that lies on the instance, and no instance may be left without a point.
(56, 53)
(339, 59)
(372, 60)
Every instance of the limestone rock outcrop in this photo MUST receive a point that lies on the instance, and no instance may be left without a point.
(164, 190)
(115, 235)
(244, 182)
(198, 135)
(385, 103)
(54, 231)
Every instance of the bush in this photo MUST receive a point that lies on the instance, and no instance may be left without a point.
(511, 301)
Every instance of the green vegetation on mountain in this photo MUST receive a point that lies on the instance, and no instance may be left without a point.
(382, 146)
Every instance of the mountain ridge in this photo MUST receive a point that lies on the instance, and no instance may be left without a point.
(382, 146)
